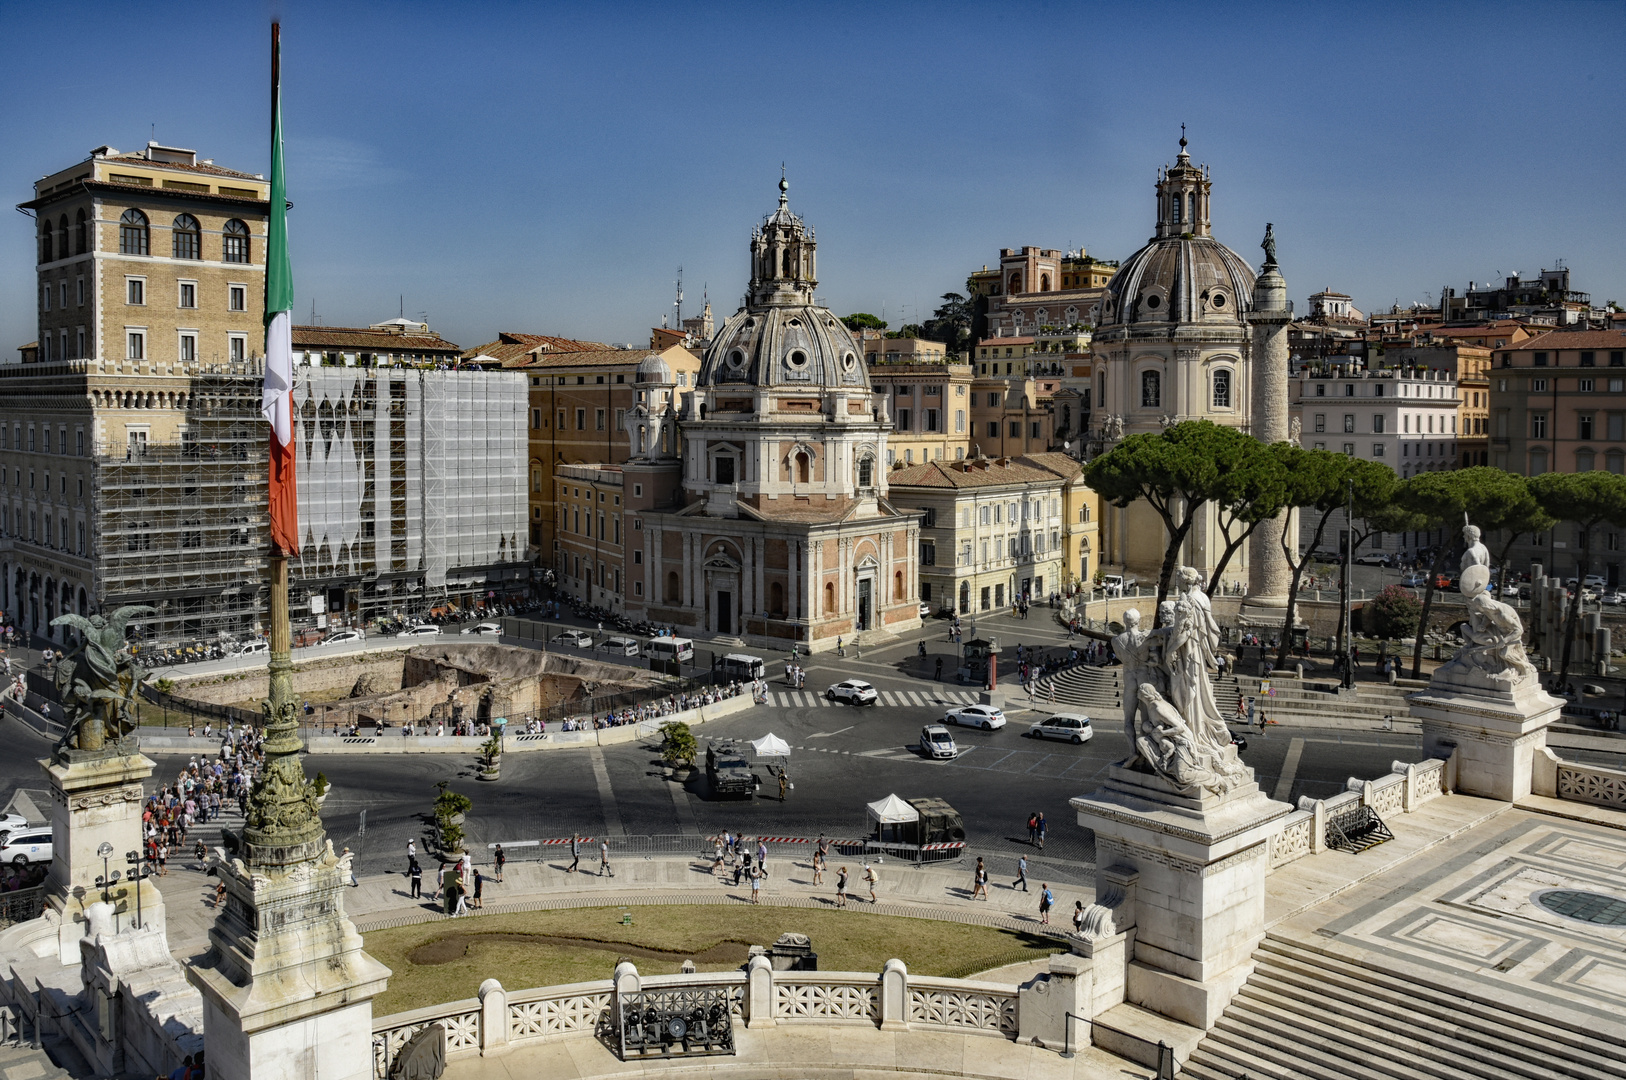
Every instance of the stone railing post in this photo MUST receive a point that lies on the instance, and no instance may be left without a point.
(624, 981)
(1408, 793)
(1318, 823)
(759, 993)
(493, 1019)
(894, 996)
(1367, 797)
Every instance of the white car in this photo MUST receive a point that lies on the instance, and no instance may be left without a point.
(12, 822)
(983, 716)
(853, 692)
(426, 630)
(1372, 558)
(490, 628)
(1074, 727)
(925, 610)
(344, 637)
(248, 648)
(27, 846)
(576, 639)
(936, 742)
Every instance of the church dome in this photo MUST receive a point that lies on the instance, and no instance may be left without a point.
(781, 336)
(1183, 275)
(652, 369)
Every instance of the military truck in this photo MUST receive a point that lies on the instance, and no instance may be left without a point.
(728, 771)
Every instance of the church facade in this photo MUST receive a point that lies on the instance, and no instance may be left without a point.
(756, 502)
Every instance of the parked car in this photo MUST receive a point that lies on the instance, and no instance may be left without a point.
(10, 823)
(576, 639)
(1074, 727)
(490, 629)
(1373, 558)
(27, 846)
(1611, 596)
(425, 630)
(853, 692)
(343, 636)
(925, 610)
(1415, 579)
(936, 742)
(1327, 556)
(986, 717)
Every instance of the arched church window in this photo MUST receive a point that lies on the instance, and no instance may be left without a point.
(1174, 209)
(1016, 283)
(785, 264)
(866, 472)
(1222, 389)
(1151, 390)
(1191, 207)
(1044, 282)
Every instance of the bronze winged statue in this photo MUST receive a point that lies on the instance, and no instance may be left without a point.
(96, 681)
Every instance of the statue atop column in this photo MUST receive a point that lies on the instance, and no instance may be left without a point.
(97, 682)
(1269, 245)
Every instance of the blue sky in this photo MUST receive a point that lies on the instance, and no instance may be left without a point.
(547, 167)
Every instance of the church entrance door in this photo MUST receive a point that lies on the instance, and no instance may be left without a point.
(866, 598)
(725, 612)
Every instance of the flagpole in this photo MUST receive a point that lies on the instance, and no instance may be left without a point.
(280, 665)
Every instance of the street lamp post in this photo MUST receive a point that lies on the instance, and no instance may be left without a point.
(107, 880)
(133, 858)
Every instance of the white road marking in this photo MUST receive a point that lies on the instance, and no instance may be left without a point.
(827, 734)
(1290, 770)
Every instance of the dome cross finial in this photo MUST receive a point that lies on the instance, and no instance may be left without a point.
(784, 185)
(1182, 136)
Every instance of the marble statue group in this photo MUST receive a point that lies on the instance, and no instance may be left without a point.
(96, 681)
(1170, 714)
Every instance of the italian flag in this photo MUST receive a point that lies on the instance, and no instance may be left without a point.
(277, 397)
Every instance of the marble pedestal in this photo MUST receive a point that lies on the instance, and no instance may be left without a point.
(287, 989)
(96, 798)
(1199, 905)
(1495, 730)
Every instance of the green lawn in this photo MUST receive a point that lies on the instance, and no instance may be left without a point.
(447, 960)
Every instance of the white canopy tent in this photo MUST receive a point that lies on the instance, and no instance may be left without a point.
(771, 745)
(892, 811)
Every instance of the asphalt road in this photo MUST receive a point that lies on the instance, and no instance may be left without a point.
(843, 757)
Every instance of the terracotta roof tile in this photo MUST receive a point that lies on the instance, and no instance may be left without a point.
(515, 348)
(360, 337)
(1575, 339)
(977, 473)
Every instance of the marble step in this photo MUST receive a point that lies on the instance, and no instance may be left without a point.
(1316, 973)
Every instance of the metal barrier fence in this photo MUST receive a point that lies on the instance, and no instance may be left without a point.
(22, 905)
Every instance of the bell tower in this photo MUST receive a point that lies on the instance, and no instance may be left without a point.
(1182, 197)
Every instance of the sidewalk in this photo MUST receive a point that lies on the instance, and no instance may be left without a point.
(384, 900)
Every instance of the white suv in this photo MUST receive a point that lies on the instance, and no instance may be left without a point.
(1074, 727)
(426, 630)
(26, 846)
(853, 692)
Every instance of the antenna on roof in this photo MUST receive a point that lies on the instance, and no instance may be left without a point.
(401, 297)
(678, 303)
(314, 320)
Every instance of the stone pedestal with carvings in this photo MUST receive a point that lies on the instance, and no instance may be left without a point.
(96, 798)
(1494, 728)
(1199, 902)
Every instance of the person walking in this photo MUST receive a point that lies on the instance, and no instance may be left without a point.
(872, 879)
(840, 649)
(1046, 900)
(604, 859)
(1041, 830)
(1033, 826)
(412, 850)
(1078, 916)
(575, 852)
(762, 856)
(841, 887)
(979, 880)
(939, 675)
(784, 783)
(1021, 874)
(479, 888)
(499, 858)
(818, 866)
(415, 875)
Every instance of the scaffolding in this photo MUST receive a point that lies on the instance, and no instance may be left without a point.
(411, 496)
(182, 527)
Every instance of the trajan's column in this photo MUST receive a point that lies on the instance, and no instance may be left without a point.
(1269, 575)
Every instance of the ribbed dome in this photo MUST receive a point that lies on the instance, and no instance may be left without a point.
(1178, 280)
(652, 369)
(801, 346)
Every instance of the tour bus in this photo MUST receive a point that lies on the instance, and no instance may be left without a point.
(741, 666)
(680, 649)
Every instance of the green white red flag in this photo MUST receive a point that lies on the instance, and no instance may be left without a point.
(277, 397)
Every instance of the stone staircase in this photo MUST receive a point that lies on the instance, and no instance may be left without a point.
(1306, 1015)
(1098, 691)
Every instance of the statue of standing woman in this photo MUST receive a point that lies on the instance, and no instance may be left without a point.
(1270, 246)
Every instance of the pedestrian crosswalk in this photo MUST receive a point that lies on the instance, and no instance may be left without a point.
(920, 699)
